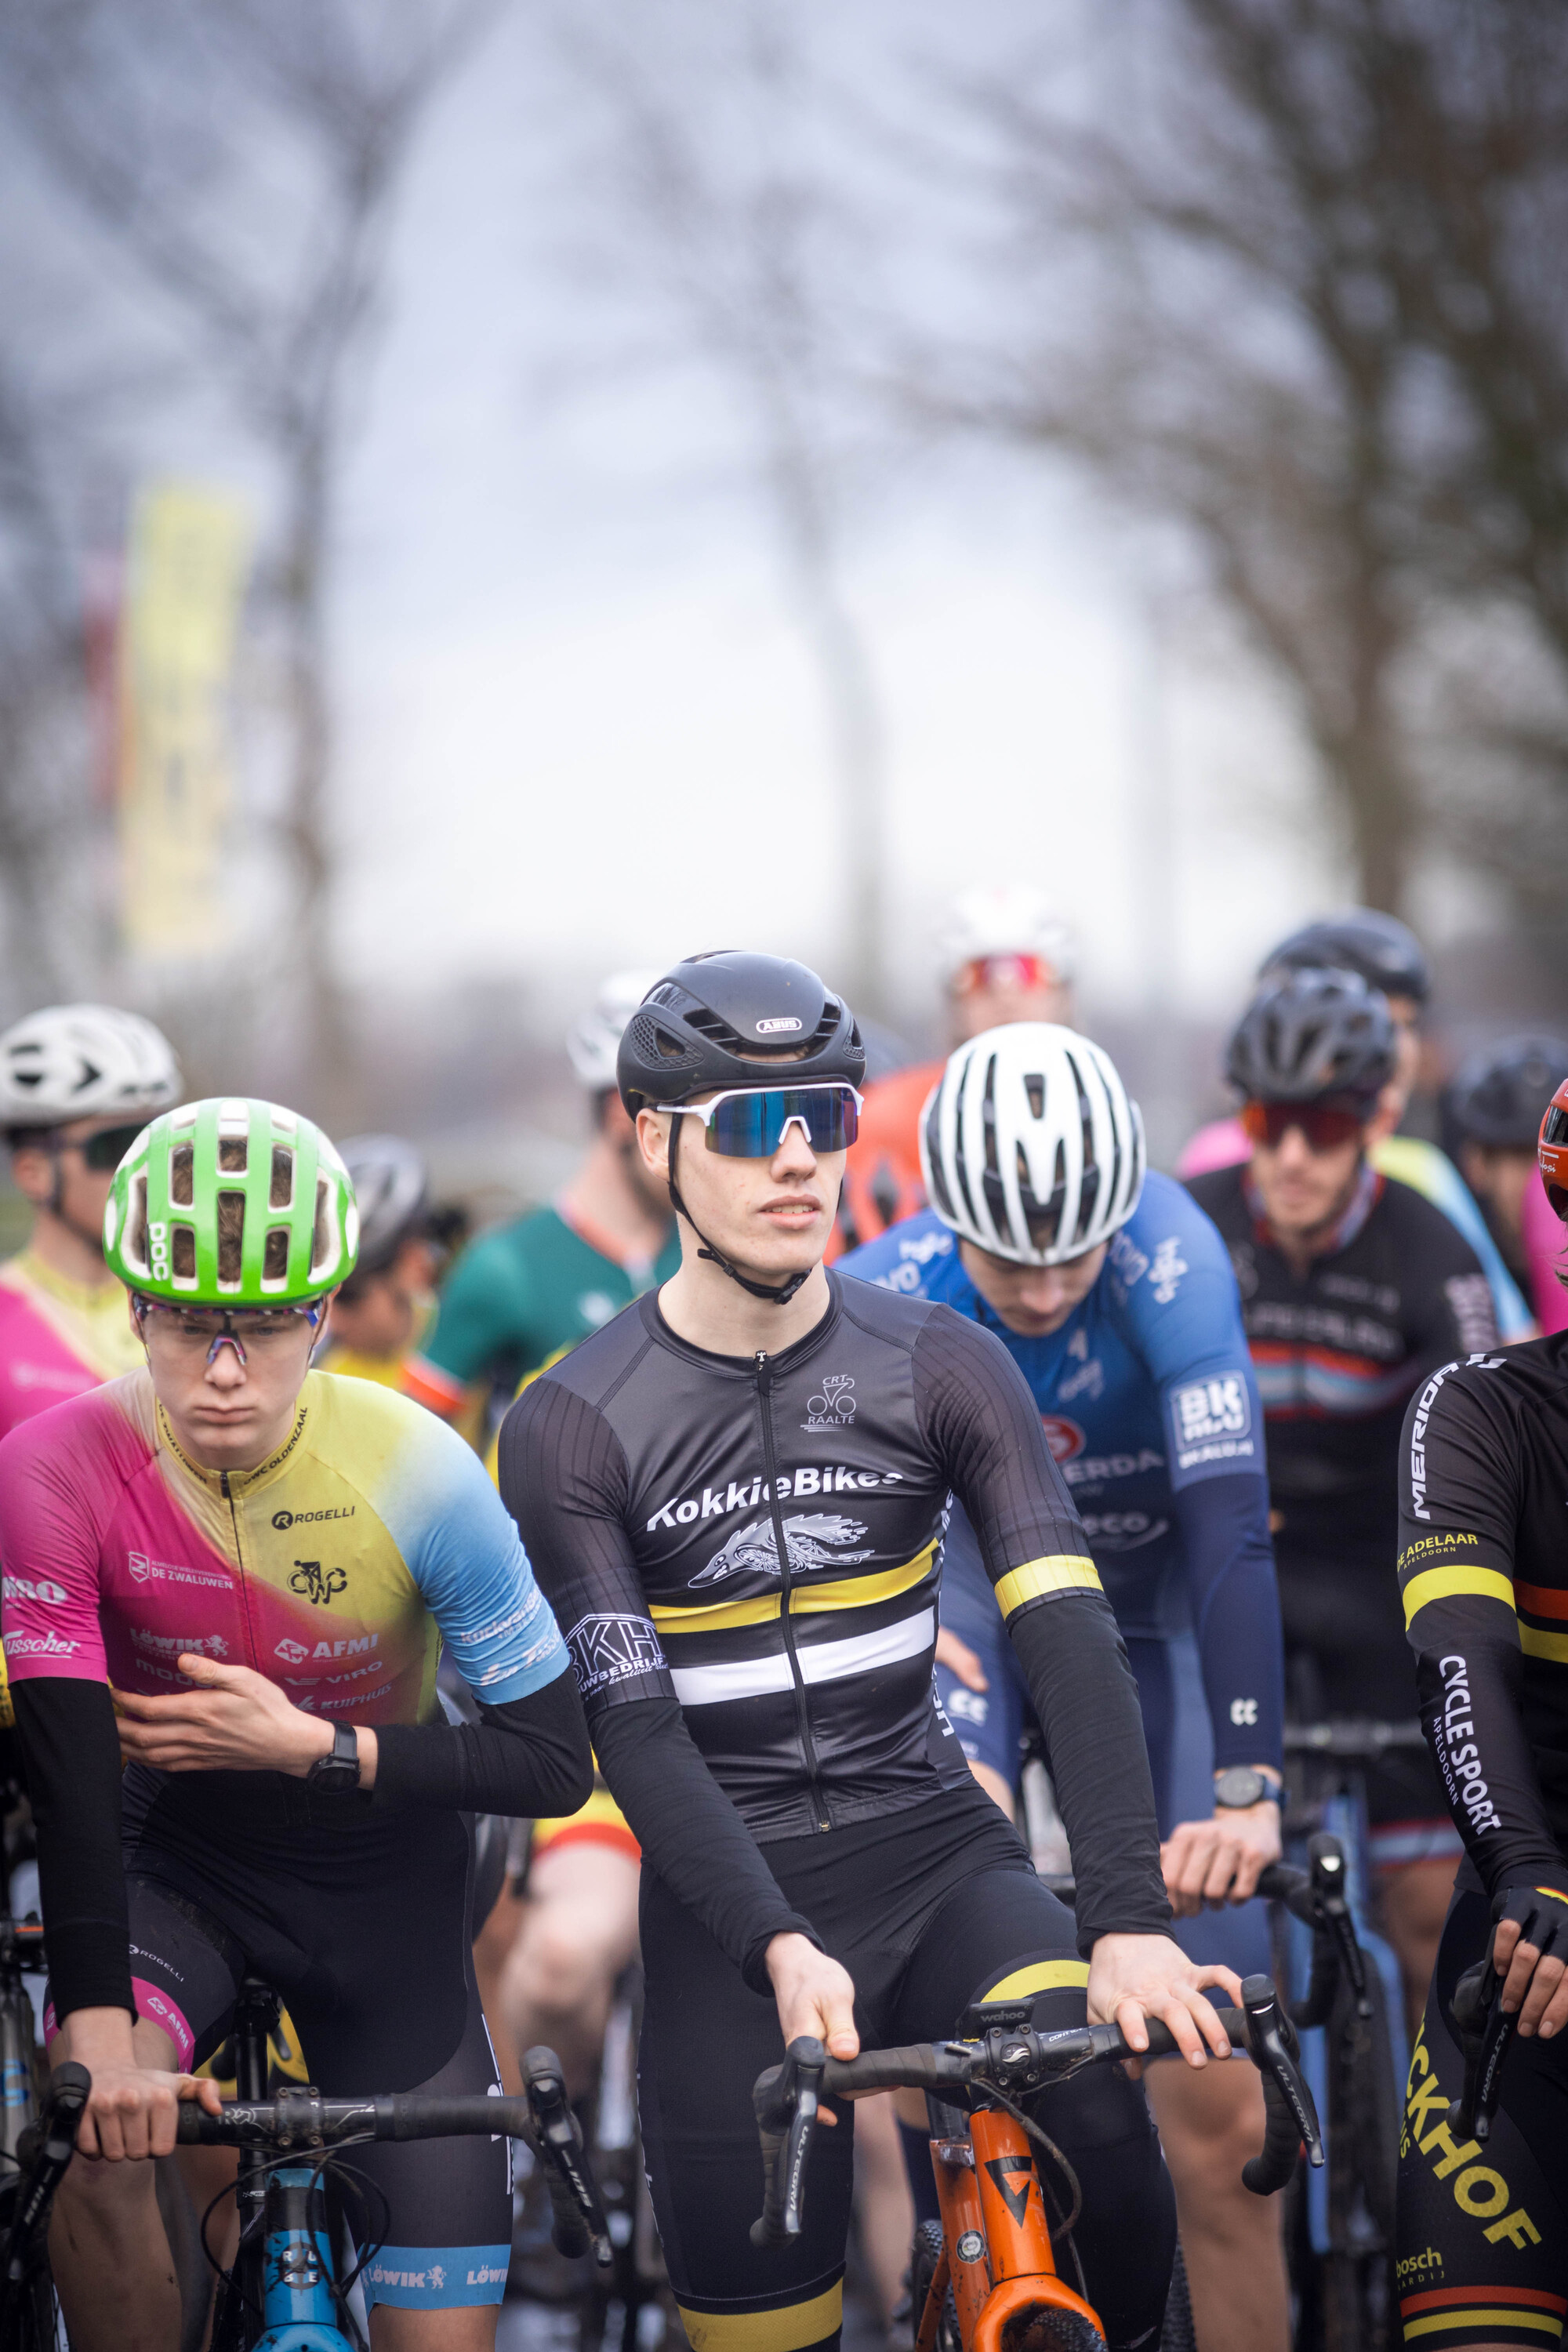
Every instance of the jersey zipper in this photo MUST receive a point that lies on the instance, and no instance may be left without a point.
(239, 1561)
(801, 1710)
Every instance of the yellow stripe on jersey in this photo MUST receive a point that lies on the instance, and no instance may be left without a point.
(1436, 2320)
(1455, 1583)
(1537, 1644)
(804, 1599)
(1040, 1976)
(789, 2329)
(1062, 1572)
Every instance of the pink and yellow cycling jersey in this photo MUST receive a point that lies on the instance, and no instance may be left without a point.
(58, 1338)
(337, 1568)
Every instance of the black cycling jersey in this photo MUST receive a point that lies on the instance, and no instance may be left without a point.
(743, 1556)
(1483, 1572)
(1339, 1350)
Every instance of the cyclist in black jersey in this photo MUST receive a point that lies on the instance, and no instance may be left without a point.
(1353, 1288)
(1483, 1575)
(735, 1495)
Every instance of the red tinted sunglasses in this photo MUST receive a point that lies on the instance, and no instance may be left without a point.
(1004, 972)
(1322, 1124)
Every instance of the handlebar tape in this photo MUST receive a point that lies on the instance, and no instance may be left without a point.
(397, 2115)
(1270, 2170)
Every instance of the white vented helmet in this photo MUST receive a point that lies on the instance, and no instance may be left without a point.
(1029, 1145)
(593, 1042)
(1003, 919)
(84, 1061)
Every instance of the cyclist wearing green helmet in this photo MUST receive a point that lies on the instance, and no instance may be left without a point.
(240, 1573)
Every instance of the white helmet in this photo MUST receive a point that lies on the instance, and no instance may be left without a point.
(593, 1042)
(1003, 919)
(1029, 1146)
(84, 1061)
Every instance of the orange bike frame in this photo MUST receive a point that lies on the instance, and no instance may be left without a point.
(996, 2252)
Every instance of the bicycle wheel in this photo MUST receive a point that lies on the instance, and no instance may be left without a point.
(1363, 2118)
(925, 2253)
(30, 2321)
(1178, 2334)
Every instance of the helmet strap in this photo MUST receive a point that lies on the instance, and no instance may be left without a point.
(779, 1296)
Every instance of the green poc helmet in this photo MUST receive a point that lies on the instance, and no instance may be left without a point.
(229, 1203)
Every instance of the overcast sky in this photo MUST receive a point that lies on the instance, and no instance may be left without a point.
(578, 728)
(579, 724)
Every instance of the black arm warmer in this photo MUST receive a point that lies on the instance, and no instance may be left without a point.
(983, 1426)
(1094, 1732)
(691, 1835)
(71, 1750)
(530, 1757)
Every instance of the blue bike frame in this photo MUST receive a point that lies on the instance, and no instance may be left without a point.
(299, 2308)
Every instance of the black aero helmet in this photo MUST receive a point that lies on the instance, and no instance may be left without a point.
(1499, 1093)
(731, 1019)
(1313, 1035)
(1385, 952)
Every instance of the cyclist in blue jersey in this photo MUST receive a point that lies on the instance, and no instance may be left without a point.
(1115, 1296)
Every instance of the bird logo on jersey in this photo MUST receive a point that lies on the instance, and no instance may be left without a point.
(812, 1537)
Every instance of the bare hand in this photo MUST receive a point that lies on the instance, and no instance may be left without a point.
(1134, 1977)
(131, 2110)
(234, 1721)
(815, 1995)
(959, 1660)
(1218, 1861)
(1536, 1985)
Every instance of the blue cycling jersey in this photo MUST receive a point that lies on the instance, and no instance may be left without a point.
(1150, 1406)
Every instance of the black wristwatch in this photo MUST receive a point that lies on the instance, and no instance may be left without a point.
(336, 1774)
(1240, 1786)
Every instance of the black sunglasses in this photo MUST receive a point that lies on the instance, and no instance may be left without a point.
(108, 1146)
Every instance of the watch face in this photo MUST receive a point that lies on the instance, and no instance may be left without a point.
(1240, 1786)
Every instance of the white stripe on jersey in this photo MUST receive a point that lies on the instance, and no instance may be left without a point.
(820, 1662)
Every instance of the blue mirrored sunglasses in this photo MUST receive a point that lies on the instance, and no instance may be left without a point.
(753, 1121)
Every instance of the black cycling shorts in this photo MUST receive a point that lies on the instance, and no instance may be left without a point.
(363, 1931)
(929, 1910)
(1483, 2232)
(1346, 1654)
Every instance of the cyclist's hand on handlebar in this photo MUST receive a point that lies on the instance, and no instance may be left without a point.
(1218, 1861)
(1529, 1953)
(1134, 1977)
(231, 1720)
(815, 1995)
(959, 1660)
(131, 2110)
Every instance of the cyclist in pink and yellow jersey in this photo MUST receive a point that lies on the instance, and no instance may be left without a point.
(77, 1084)
(291, 1800)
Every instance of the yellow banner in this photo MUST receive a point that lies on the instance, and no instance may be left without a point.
(184, 584)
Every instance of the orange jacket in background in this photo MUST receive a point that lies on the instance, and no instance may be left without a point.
(882, 1176)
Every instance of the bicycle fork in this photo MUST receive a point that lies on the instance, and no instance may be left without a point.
(997, 2254)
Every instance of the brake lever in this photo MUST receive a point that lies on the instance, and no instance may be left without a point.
(573, 2194)
(1485, 2034)
(787, 2102)
(1272, 2042)
(1326, 1860)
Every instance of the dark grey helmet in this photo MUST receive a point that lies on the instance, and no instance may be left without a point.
(1383, 950)
(1499, 1093)
(1311, 1036)
(731, 1019)
(392, 1189)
